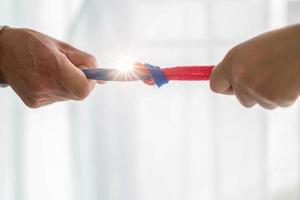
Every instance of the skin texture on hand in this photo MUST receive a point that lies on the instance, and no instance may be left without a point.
(41, 69)
(264, 70)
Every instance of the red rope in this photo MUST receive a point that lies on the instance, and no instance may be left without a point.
(188, 73)
(179, 73)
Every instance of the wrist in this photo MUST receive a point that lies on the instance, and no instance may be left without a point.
(3, 82)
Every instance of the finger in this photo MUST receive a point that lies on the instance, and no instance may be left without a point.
(220, 79)
(76, 56)
(244, 98)
(261, 101)
(73, 79)
(266, 105)
(287, 103)
(81, 58)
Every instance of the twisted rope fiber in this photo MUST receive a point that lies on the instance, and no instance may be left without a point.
(161, 76)
(188, 73)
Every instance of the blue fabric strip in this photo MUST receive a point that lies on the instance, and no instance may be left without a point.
(157, 74)
(98, 74)
(112, 75)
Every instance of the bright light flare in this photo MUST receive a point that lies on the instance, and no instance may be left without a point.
(125, 67)
(125, 64)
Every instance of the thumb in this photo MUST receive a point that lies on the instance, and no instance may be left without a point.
(81, 58)
(74, 80)
(220, 79)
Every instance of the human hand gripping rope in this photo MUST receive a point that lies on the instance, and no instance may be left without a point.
(152, 75)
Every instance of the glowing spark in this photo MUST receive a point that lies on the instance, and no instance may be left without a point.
(124, 64)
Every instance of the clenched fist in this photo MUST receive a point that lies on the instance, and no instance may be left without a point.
(43, 70)
(263, 70)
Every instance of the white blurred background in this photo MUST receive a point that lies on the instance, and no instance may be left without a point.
(134, 142)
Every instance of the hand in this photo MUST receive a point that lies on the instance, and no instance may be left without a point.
(43, 70)
(263, 70)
